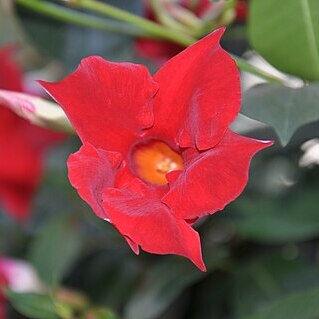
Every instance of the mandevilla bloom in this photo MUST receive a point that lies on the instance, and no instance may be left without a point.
(22, 146)
(157, 152)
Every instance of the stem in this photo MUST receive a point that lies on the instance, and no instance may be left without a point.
(165, 33)
(146, 28)
(244, 66)
(151, 27)
(71, 16)
(165, 19)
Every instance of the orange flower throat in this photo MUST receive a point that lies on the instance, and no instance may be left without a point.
(154, 160)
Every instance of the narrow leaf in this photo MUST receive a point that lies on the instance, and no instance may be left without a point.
(55, 249)
(31, 305)
(164, 283)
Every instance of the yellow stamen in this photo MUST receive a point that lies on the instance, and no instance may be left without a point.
(154, 160)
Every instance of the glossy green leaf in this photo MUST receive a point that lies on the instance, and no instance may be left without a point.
(303, 305)
(286, 219)
(285, 109)
(55, 249)
(31, 305)
(165, 282)
(286, 33)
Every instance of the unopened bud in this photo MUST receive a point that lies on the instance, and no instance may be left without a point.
(36, 110)
(185, 16)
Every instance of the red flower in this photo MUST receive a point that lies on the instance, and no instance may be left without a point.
(157, 152)
(21, 147)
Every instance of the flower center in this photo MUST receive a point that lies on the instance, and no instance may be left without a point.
(153, 160)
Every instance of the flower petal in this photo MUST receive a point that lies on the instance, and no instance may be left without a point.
(138, 213)
(109, 104)
(22, 146)
(21, 143)
(92, 170)
(10, 72)
(198, 96)
(213, 178)
(158, 50)
(16, 198)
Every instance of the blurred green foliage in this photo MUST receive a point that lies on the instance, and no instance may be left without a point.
(261, 252)
(284, 108)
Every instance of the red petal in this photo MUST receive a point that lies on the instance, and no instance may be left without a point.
(213, 178)
(158, 50)
(138, 213)
(109, 104)
(11, 74)
(204, 6)
(16, 198)
(21, 151)
(242, 11)
(199, 95)
(133, 245)
(21, 147)
(92, 170)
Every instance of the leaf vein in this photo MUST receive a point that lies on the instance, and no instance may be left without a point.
(311, 33)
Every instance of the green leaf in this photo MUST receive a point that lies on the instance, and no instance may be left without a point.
(303, 305)
(261, 281)
(165, 282)
(286, 33)
(31, 305)
(208, 298)
(54, 251)
(115, 269)
(286, 109)
(285, 219)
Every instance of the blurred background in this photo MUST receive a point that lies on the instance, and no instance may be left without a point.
(262, 251)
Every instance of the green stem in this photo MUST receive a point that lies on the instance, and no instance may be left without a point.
(71, 16)
(244, 66)
(165, 19)
(151, 27)
(165, 33)
(146, 28)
